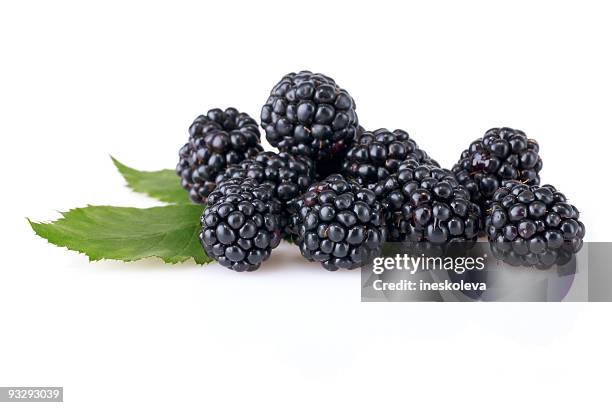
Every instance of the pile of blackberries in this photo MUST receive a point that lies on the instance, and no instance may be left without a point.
(339, 191)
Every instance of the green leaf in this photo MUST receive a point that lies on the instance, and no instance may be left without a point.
(163, 185)
(129, 234)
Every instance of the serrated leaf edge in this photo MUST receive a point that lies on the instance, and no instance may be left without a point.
(173, 260)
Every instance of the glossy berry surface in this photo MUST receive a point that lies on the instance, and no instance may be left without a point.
(502, 154)
(241, 224)
(533, 225)
(376, 155)
(425, 203)
(288, 175)
(338, 223)
(216, 141)
(308, 114)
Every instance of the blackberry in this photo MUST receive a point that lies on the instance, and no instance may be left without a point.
(307, 114)
(425, 203)
(339, 223)
(502, 154)
(376, 155)
(241, 224)
(533, 225)
(288, 175)
(216, 140)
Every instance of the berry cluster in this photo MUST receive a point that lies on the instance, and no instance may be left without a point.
(339, 191)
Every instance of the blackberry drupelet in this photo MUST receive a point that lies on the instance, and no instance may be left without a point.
(423, 158)
(339, 223)
(533, 226)
(502, 154)
(241, 224)
(216, 140)
(308, 114)
(425, 203)
(376, 155)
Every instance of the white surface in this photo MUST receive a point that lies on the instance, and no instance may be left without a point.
(80, 81)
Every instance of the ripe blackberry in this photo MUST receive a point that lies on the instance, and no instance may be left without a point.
(376, 155)
(339, 223)
(425, 203)
(307, 114)
(533, 225)
(241, 224)
(502, 154)
(216, 140)
(288, 175)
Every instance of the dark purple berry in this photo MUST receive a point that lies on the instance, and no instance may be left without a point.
(217, 140)
(540, 229)
(241, 224)
(338, 223)
(307, 114)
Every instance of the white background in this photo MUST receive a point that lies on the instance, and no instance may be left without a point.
(80, 81)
